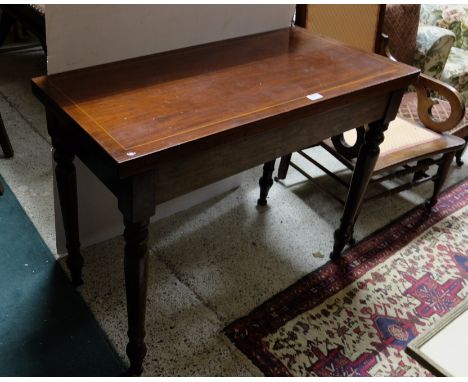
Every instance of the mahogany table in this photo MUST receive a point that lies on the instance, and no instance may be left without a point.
(159, 126)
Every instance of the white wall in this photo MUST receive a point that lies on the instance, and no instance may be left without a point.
(84, 35)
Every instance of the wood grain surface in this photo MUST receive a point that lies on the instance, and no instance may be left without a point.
(143, 106)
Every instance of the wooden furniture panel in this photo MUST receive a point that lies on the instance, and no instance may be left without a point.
(155, 127)
(148, 111)
(189, 171)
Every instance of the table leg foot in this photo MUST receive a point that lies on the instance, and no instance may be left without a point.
(136, 279)
(75, 265)
(132, 373)
(365, 164)
(136, 355)
(265, 182)
(341, 239)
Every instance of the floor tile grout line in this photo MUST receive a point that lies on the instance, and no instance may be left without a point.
(23, 117)
(178, 276)
(223, 339)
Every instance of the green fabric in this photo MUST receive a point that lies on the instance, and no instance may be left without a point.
(442, 48)
(456, 71)
(46, 329)
(450, 17)
(433, 46)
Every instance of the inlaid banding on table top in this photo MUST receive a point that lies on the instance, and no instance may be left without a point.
(153, 103)
(302, 100)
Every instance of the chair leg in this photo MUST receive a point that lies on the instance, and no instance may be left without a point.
(5, 141)
(6, 23)
(283, 167)
(441, 176)
(460, 152)
(265, 182)
(1, 188)
(420, 174)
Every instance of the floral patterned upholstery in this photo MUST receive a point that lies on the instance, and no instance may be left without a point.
(456, 71)
(451, 17)
(433, 46)
(442, 44)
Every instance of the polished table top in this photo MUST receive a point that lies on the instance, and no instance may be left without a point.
(143, 106)
(156, 127)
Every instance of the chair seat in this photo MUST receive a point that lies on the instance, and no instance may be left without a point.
(406, 141)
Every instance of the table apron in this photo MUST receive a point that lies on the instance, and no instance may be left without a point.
(186, 173)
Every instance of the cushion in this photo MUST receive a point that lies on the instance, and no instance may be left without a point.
(451, 17)
(401, 134)
(456, 71)
(404, 141)
(433, 46)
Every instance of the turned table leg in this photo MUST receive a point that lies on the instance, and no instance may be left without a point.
(136, 280)
(365, 164)
(66, 184)
(137, 203)
(265, 182)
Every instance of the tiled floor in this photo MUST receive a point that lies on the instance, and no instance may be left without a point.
(208, 265)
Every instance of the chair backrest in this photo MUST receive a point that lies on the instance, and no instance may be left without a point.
(358, 25)
(401, 25)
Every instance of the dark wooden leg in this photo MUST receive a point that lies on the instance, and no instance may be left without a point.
(66, 184)
(460, 152)
(6, 23)
(265, 182)
(137, 203)
(283, 167)
(65, 175)
(441, 176)
(420, 174)
(367, 158)
(5, 141)
(136, 280)
(1, 189)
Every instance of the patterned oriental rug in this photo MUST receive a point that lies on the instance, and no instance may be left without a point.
(356, 316)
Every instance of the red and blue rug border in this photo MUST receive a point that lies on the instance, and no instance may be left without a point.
(310, 291)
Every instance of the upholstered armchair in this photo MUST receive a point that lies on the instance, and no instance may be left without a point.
(435, 39)
(451, 21)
